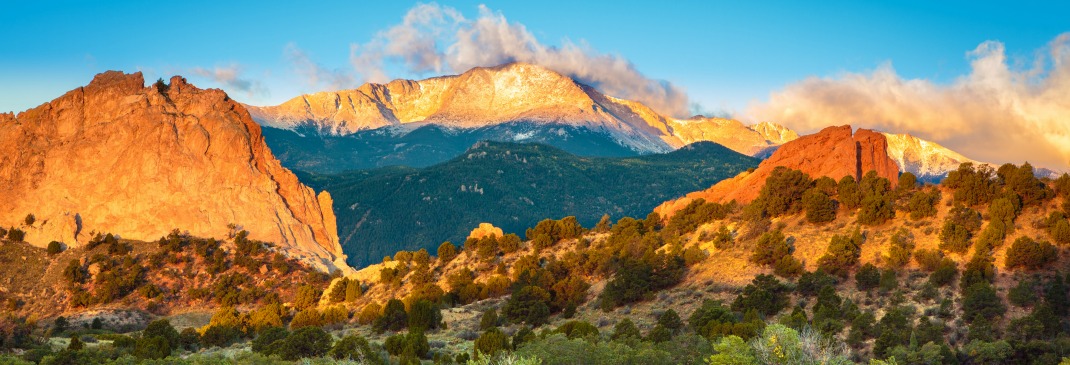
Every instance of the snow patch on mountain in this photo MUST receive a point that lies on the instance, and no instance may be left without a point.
(925, 159)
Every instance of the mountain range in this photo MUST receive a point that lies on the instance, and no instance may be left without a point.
(420, 123)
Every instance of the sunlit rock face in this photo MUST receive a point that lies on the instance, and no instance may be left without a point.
(834, 152)
(118, 157)
(515, 92)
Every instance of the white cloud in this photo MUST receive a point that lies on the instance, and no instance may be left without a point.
(315, 75)
(996, 113)
(231, 78)
(434, 38)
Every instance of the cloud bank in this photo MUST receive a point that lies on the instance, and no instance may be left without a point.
(231, 78)
(439, 39)
(996, 113)
(315, 75)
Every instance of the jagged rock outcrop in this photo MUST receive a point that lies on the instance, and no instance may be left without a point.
(484, 230)
(834, 152)
(116, 156)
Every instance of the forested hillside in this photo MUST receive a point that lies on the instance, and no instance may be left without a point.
(512, 186)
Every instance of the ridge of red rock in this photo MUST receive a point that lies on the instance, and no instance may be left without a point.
(834, 152)
(119, 157)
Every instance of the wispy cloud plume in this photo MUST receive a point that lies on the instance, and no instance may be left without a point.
(434, 38)
(231, 78)
(995, 113)
(315, 75)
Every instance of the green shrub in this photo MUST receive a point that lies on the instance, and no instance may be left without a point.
(1002, 213)
(354, 347)
(981, 352)
(669, 319)
(900, 248)
(1030, 254)
(848, 193)
(353, 291)
(268, 338)
(893, 330)
(523, 335)
(155, 347)
(1062, 185)
(74, 274)
(765, 294)
(923, 204)
(338, 291)
(810, 283)
(841, 255)
(876, 209)
(659, 334)
(818, 206)
(710, 312)
(54, 248)
(424, 315)
(556, 230)
(307, 297)
(394, 317)
(788, 267)
(972, 186)
(1060, 231)
(771, 247)
(945, 272)
(310, 317)
(695, 214)
(162, 328)
(868, 277)
(862, 328)
(1022, 181)
(447, 251)
(907, 182)
(622, 330)
(76, 344)
(928, 259)
(783, 191)
(488, 320)
(306, 342)
(889, 280)
(1024, 294)
(722, 239)
(220, 336)
(189, 339)
(979, 269)
(637, 280)
(981, 299)
(954, 238)
(1057, 296)
(490, 343)
(577, 329)
(529, 305)
(15, 234)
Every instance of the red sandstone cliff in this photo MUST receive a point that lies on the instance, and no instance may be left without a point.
(832, 152)
(117, 156)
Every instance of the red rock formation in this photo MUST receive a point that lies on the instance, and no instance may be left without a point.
(832, 152)
(484, 230)
(117, 156)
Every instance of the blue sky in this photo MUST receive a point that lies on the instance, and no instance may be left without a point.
(724, 54)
